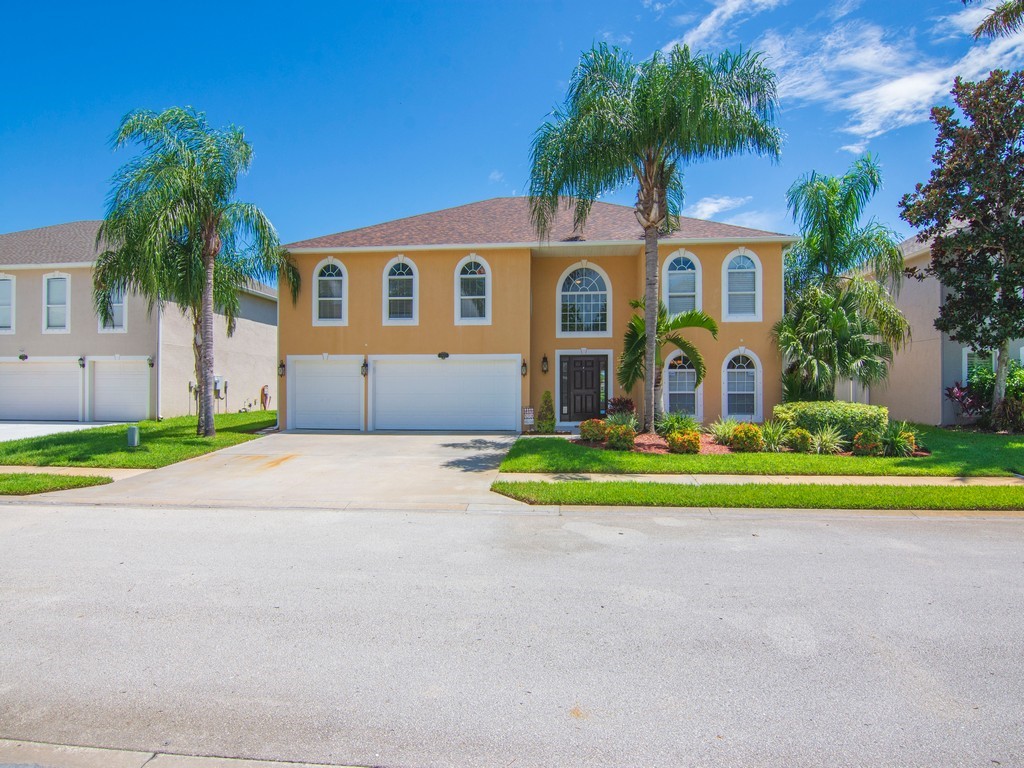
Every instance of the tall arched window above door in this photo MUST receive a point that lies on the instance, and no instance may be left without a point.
(584, 302)
(741, 287)
(681, 283)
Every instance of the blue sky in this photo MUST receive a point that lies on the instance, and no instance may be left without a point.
(365, 112)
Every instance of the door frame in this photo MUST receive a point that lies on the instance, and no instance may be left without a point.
(559, 353)
(326, 358)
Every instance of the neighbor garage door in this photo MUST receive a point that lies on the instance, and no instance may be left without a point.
(325, 394)
(464, 392)
(120, 390)
(34, 391)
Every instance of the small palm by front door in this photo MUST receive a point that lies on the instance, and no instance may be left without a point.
(584, 387)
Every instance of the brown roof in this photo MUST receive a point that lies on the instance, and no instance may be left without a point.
(507, 220)
(60, 244)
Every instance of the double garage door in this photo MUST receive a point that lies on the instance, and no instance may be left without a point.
(107, 390)
(463, 392)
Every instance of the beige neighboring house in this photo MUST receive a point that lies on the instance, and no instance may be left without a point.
(58, 362)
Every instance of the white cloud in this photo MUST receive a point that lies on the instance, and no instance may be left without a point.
(495, 177)
(773, 221)
(708, 207)
(614, 39)
(856, 148)
(727, 14)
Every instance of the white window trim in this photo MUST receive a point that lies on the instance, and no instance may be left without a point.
(609, 353)
(559, 333)
(124, 315)
(698, 392)
(698, 278)
(317, 321)
(969, 351)
(758, 288)
(14, 301)
(67, 303)
(758, 386)
(486, 319)
(415, 319)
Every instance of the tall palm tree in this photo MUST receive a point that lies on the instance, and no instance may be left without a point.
(172, 219)
(1005, 19)
(624, 122)
(632, 363)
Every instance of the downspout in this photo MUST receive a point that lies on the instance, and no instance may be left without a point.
(158, 367)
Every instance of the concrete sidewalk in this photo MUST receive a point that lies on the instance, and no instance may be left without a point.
(897, 480)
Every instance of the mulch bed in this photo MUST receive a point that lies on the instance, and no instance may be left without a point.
(652, 443)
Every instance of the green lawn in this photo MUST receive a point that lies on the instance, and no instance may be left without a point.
(954, 453)
(161, 443)
(761, 496)
(25, 484)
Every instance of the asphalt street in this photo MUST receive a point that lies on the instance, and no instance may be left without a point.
(413, 638)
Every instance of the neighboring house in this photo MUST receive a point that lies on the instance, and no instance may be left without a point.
(931, 361)
(58, 362)
(460, 318)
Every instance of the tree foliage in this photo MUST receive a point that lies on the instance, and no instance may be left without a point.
(1002, 21)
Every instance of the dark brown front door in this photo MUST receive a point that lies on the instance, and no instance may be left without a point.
(584, 387)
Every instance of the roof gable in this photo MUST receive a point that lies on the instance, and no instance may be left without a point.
(70, 243)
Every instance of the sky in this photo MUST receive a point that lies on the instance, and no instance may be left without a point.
(365, 112)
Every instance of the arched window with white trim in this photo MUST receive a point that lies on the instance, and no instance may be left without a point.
(331, 303)
(681, 281)
(472, 291)
(681, 390)
(401, 292)
(584, 301)
(741, 282)
(741, 391)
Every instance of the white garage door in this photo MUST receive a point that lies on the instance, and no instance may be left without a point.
(32, 391)
(470, 392)
(120, 390)
(325, 394)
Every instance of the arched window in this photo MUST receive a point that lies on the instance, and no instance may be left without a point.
(742, 282)
(742, 399)
(400, 293)
(330, 295)
(472, 292)
(681, 386)
(583, 304)
(682, 285)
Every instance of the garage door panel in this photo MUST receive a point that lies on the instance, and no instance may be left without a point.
(327, 394)
(120, 390)
(40, 391)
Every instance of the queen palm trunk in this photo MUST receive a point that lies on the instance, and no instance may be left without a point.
(211, 246)
(650, 319)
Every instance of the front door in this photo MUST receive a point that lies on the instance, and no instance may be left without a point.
(584, 387)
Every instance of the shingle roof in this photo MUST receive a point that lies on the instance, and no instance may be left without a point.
(507, 220)
(913, 246)
(60, 244)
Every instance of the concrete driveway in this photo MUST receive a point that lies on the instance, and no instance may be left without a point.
(326, 471)
(16, 430)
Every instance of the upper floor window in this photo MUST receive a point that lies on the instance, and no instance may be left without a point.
(742, 399)
(682, 284)
(472, 292)
(6, 304)
(583, 304)
(682, 386)
(331, 306)
(116, 323)
(400, 293)
(742, 282)
(55, 304)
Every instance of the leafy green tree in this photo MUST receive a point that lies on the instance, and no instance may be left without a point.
(632, 364)
(973, 207)
(172, 225)
(1002, 21)
(640, 123)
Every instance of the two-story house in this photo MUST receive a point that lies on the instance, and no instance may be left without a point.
(460, 318)
(59, 362)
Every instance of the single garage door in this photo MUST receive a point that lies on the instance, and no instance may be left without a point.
(464, 392)
(120, 390)
(31, 391)
(325, 394)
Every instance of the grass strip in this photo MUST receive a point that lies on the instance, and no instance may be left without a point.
(761, 496)
(161, 443)
(24, 484)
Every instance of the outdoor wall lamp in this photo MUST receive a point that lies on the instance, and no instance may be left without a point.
(281, 368)
(81, 362)
(364, 368)
(443, 355)
(522, 368)
(23, 357)
(150, 360)
(544, 364)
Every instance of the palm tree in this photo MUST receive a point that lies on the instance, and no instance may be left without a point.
(172, 224)
(1005, 19)
(624, 122)
(632, 363)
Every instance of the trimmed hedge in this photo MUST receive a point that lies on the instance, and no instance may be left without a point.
(848, 418)
(684, 442)
(593, 430)
(747, 438)
(620, 437)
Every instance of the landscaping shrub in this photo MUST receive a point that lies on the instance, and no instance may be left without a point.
(721, 430)
(623, 419)
(867, 444)
(593, 430)
(684, 442)
(620, 437)
(799, 440)
(621, 405)
(774, 434)
(828, 440)
(746, 438)
(546, 414)
(848, 418)
(1009, 415)
(668, 423)
(899, 439)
